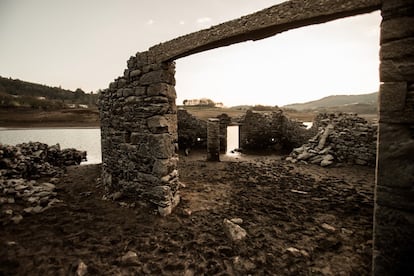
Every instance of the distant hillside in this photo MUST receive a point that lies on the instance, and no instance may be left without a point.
(346, 103)
(17, 93)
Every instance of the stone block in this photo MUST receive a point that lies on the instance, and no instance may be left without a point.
(126, 92)
(121, 82)
(160, 195)
(392, 96)
(158, 124)
(133, 100)
(397, 28)
(161, 146)
(141, 59)
(213, 139)
(140, 91)
(396, 6)
(157, 77)
(135, 73)
(156, 100)
(398, 49)
(397, 71)
(138, 138)
(395, 156)
(131, 62)
(162, 89)
(164, 167)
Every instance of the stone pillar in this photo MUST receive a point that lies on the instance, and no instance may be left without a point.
(139, 133)
(394, 195)
(213, 139)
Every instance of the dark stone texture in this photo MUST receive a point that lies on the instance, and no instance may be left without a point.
(392, 96)
(213, 139)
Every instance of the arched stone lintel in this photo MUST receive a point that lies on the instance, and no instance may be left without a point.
(266, 23)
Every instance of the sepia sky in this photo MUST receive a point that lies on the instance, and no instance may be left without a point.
(85, 44)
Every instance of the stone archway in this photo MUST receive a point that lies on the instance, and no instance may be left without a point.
(139, 115)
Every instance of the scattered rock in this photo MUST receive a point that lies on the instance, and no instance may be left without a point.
(243, 265)
(328, 227)
(116, 195)
(237, 220)
(130, 258)
(16, 219)
(297, 252)
(233, 231)
(82, 269)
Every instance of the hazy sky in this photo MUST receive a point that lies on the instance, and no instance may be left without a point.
(85, 44)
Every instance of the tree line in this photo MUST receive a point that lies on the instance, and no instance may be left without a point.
(17, 93)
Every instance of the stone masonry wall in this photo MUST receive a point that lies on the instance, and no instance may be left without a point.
(192, 132)
(271, 131)
(139, 133)
(394, 196)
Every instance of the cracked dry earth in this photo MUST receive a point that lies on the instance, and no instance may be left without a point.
(300, 220)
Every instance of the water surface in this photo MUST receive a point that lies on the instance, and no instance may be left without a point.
(85, 139)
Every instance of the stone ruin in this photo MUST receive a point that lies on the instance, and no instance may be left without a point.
(139, 116)
(271, 131)
(340, 138)
(192, 132)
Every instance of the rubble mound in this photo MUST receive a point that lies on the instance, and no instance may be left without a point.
(340, 138)
(20, 168)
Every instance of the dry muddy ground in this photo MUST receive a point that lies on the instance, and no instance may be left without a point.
(300, 220)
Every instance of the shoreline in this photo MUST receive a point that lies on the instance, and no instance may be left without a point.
(48, 127)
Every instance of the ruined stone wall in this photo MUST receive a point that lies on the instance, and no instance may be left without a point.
(192, 132)
(394, 195)
(139, 133)
(271, 131)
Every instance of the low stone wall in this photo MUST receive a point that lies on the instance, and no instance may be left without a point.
(340, 138)
(271, 131)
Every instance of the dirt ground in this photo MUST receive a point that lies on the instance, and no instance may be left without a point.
(300, 220)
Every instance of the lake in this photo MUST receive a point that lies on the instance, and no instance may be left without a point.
(85, 139)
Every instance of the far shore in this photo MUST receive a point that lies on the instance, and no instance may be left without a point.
(24, 118)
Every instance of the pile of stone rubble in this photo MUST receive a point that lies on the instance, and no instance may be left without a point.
(20, 166)
(340, 138)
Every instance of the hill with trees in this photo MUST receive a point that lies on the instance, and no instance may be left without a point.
(15, 93)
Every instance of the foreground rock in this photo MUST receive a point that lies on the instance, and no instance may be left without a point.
(20, 193)
(340, 138)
